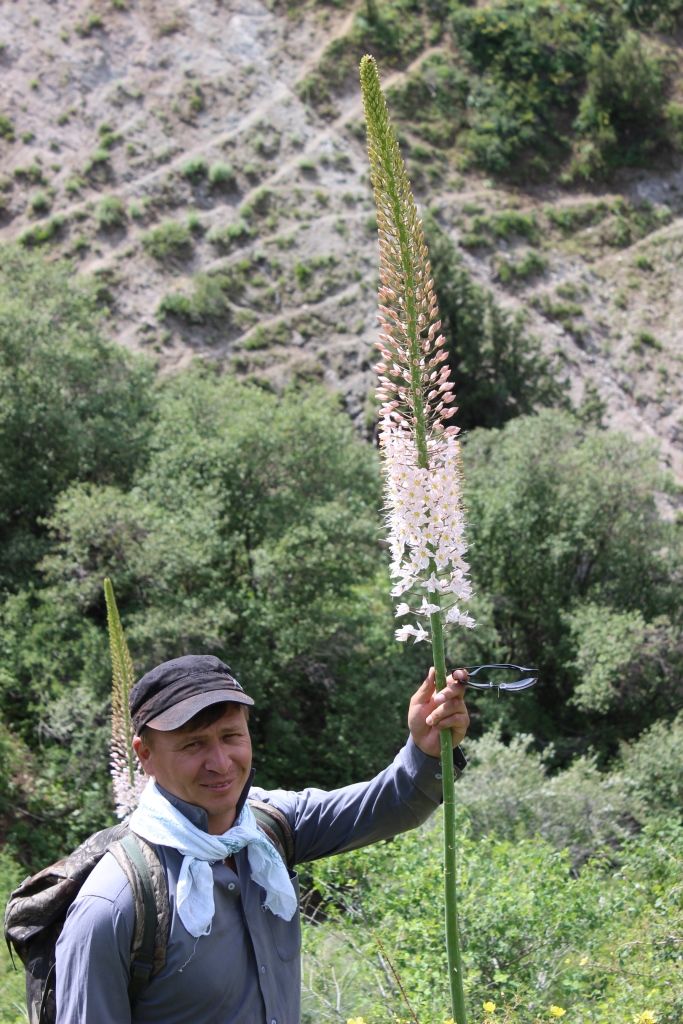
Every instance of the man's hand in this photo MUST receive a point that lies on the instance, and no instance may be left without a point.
(430, 712)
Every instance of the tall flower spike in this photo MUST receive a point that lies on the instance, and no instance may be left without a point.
(127, 776)
(420, 448)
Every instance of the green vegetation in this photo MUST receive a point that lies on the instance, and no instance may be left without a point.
(169, 242)
(58, 423)
(208, 302)
(43, 233)
(225, 239)
(243, 523)
(513, 271)
(40, 204)
(593, 931)
(195, 169)
(33, 173)
(110, 213)
(7, 128)
(588, 606)
(221, 175)
(92, 23)
(544, 90)
(498, 366)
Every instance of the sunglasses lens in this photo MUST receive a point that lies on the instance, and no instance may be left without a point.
(502, 677)
(520, 684)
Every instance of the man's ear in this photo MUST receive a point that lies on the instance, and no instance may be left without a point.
(144, 752)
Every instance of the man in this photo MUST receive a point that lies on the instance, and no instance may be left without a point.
(234, 936)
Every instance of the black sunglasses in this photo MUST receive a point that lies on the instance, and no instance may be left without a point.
(501, 677)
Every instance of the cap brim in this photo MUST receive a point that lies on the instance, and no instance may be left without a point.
(186, 709)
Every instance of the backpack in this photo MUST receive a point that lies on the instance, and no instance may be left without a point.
(36, 910)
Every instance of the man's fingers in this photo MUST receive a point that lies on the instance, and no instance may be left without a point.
(425, 692)
(450, 705)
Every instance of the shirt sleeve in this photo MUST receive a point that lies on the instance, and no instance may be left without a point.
(93, 952)
(401, 797)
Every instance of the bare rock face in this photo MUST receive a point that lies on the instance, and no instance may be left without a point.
(179, 152)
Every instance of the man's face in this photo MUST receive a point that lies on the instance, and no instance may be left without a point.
(208, 766)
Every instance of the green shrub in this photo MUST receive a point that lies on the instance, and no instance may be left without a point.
(40, 204)
(651, 769)
(221, 175)
(195, 168)
(168, 242)
(498, 365)
(6, 128)
(600, 944)
(33, 173)
(208, 301)
(92, 23)
(621, 118)
(42, 233)
(98, 164)
(530, 265)
(580, 215)
(646, 340)
(303, 273)
(110, 213)
(225, 238)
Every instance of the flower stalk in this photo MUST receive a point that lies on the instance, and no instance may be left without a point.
(420, 449)
(127, 776)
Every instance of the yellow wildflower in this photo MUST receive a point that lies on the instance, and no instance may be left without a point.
(355, 1020)
(489, 1006)
(646, 1017)
(556, 1011)
(449, 1021)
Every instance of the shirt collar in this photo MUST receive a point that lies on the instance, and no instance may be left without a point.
(197, 815)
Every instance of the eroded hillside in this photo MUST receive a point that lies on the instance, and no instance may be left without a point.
(205, 161)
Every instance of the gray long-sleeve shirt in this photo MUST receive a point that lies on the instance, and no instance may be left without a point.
(247, 970)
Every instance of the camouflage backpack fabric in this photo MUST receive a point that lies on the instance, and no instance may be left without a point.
(36, 910)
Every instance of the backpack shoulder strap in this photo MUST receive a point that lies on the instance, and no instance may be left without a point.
(277, 827)
(142, 867)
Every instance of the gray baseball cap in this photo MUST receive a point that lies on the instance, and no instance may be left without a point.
(171, 694)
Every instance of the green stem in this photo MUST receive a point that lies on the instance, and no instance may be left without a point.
(449, 838)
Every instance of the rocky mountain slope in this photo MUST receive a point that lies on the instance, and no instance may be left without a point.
(179, 152)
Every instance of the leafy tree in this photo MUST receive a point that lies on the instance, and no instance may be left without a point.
(499, 369)
(259, 544)
(621, 115)
(72, 405)
(579, 573)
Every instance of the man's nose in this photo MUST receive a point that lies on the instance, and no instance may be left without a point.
(217, 759)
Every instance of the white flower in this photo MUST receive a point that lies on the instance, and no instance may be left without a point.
(415, 631)
(426, 523)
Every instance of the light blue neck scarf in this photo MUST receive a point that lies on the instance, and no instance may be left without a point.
(158, 821)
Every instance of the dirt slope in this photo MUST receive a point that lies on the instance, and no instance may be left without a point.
(126, 116)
